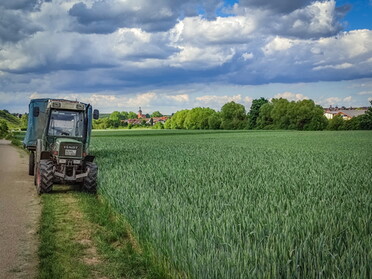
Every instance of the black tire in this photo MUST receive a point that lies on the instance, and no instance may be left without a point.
(35, 175)
(45, 176)
(90, 182)
(31, 163)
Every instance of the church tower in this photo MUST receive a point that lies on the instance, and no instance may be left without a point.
(139, 115)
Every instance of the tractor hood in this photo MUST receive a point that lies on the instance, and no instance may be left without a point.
(68, 148)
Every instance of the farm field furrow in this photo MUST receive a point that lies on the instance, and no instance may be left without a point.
(246, 204)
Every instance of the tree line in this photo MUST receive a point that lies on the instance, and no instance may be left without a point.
(115, 119)
(264, 114)
(302, 115)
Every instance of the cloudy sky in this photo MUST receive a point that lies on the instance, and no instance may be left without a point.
(169, 55)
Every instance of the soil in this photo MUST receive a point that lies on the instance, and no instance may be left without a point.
(19, 215)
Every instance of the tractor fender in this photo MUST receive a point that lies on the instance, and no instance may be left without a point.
(89, 158)
(45, 155)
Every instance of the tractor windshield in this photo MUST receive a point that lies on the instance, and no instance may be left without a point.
(66, 123)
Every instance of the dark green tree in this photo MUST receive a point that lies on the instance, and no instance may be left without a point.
(336, 123)
(366, 119)
(255, 112)
(233, 116)
(264, 120)
(214, 121)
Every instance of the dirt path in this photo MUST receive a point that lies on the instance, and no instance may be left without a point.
(19, 214)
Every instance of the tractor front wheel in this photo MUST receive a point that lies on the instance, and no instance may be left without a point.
(90, 182)
(44, 179)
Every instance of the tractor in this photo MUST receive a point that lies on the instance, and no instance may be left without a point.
(58, 137)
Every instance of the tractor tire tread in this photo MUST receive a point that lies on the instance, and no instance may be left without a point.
(90, 182)
(46, 176)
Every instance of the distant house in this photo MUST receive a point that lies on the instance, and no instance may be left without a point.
(346, 114)
(148, 120)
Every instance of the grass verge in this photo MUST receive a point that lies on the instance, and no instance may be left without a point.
(81, 236)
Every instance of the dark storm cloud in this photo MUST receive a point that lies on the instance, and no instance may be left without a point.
(15, 26)
(18, 4)
(282, 6)
(161, 15)
(104, 18)
(21, 4)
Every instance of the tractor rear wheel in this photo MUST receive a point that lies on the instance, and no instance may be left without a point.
(31, 163)
(90, 182)
(45, 176)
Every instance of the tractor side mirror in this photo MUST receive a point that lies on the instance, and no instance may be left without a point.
(35, 112)
(95, 114)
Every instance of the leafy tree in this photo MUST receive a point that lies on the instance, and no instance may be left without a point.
(280, 113)
(158, 125)
(264, 120)
(255, 112)
(354, 123)
(197, 118)
(115, 116)
(309, 116)
(336, 123)
(114, 119)
(3, 129)
(366, 119)
(168, 124)
(24, 121)
(132, 115)
(233, 116)
(300, 115)
(214, 121)
(156, 114)
(178, 119)
(124, 115)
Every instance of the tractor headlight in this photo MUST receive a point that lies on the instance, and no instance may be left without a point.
(62, 161)
(76, 162)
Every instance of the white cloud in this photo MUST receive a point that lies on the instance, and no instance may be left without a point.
(191, 57)
(278, 44)
(217, 102)
(181, 98)
(348, 99)
(291, 96)
(336, 67)
(247, 55)
(222, 30)
(332, 101)
(365, 93)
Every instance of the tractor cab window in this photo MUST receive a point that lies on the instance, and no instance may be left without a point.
(66, 123)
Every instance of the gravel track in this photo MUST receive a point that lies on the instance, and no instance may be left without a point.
(19, 215)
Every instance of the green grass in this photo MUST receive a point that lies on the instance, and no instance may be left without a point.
(245, 204)
(59, 254)
(82, 237)
(11, 120)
